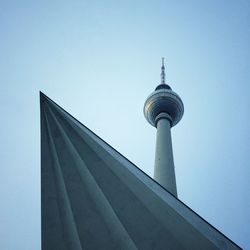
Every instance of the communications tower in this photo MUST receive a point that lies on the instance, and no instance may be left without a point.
(163, 109)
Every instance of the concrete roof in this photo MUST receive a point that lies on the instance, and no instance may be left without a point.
(95, 198)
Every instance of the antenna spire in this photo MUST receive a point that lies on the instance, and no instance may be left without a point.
(163, 72)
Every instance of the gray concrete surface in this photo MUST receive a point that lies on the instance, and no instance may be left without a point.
(164, 171)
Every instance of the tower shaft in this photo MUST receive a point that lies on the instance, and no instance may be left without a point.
(164, 172)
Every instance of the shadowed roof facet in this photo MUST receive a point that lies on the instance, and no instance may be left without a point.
(94, 198)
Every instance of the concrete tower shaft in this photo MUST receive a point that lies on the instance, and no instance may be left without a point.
(163, 109)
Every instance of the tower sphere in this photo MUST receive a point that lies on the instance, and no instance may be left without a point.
(163, 102)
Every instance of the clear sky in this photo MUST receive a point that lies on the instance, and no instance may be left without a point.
(100, 60)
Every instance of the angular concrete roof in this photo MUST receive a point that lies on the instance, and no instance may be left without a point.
(95, 198)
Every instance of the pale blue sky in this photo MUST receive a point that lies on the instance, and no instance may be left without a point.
(100, 60)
